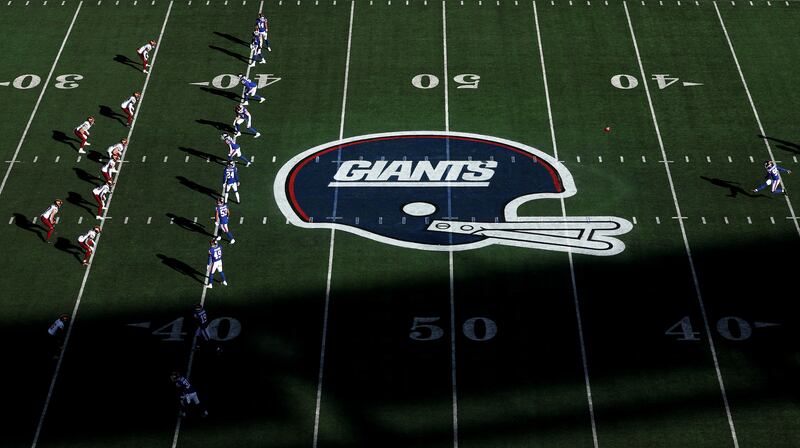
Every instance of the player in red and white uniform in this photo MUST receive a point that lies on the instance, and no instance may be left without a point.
(87, 241)
(110, 168)
(128, 106)
(82, 132)
(100, 195)
(117, 149)
(144, 53)
(48, 217)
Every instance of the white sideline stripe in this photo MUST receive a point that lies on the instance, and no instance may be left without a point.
(689, 257)
(323, 342)
(189, 364)
(450, 252)
(97, 243)
(39, 100)
(753, 106)
(578, 319)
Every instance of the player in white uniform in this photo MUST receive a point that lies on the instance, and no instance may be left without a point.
(110, 168)
(82, 132)
(100, 195)
(129, 105)
(118, 148)
(87, 241)
(144, 53)
(48, 217)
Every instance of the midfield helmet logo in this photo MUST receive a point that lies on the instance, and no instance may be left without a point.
(439, 191)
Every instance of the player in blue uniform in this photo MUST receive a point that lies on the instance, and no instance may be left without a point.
(243, 116)
(234, 149)
(202, 335)
(250, 90)
(215, 264)
(256, 48)
(262, 27)
(188, 394)
(230, 181)
(773, 178)
(221, 216)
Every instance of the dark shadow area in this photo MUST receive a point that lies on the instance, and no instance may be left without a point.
(86, 177)
(783, 144)
(65, 245)
(218, 125)
(182, 268)
(126, 61)
(197, 187)
(65, 139)
(109, 113)
(223, 93)
(95, 156)
(25, 224)
(188, 224)
(202, 155)
(734, 188)
(233, 39)
(232, 54)
(78, 201)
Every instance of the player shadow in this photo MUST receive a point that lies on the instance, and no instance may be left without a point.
(233, 39)
(126, 61)
(25, 224)
(218, 125)
(182, 268)
(202, 155)
(232, 54)
(783, 144)
(65, 139)
(109, 113)
(733, 187)
(78, 201)
(86, 177)
(188, 224)
(197, 187)
(223, 93)
(65, 245)
(94, 156)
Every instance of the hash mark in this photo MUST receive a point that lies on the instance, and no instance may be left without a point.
(59, 158)
(579, 159)
(726, 220)
(644, 160)
(11, 221)
(35, 158)
(658, 220)
(686, 158)
(751, 159)
(703, 219)
(621, 159)
(600, 159)
(794, 158)
(241, 220)
(749, 221)
(144, 158)
(634, 220)
(380, 219)
(165, 159)
(77, 161)
(772, 219)
(125, 221)
(80, 219)
(264, 220)
(273, 159)
(186, 160)
(58, 219)
(708, 159)
(730, 160)
(149, 219)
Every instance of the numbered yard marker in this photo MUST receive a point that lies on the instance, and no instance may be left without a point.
(730, 327)
(220, 329)
(427, 81)
(229, 80)
(626, 82)
(30, 81)
(479, 329)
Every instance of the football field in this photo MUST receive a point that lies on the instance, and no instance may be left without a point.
(349, 324)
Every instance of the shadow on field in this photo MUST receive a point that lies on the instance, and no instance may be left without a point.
(78, 201)
(223, 93)
(66, 246)
(25, 224)
(197, 187)
(109, 113)
(218, 125)
(783, 144)
(86, 177)
(126, 61)
(232, 54)
(95, 156)
(202, 155)
(188, 224)
(233, 39)
(734, 188)
(65, 139)
(182, 268)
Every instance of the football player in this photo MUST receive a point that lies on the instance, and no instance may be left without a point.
(144, 53)
(201, 319)
(82, 132)
(188, 395)
(221, 216)
(243, 116)
(215, 264)
(110, 168)
(48, 217)
(57, 331)
(117, 149)
(256, 48)
(249, 90)
(129, 105)
(234, 150)
(230, 181)
(262, 26)
(773, 178)
(100, 195)
(87, 242)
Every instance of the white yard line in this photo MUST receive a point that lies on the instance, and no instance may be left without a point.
(578, 318)
(97, 244)
(190, 363)
(700, 301)
(324, 338)
(755, 112)
(39, 100)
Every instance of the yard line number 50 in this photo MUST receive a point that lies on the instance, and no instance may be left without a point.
(427, 81)
(475, 328)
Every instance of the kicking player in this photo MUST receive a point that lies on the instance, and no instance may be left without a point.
(117, 149)
(773, 178)
(187, 393)
(129, 105)
(110, 168)
(262, 26)
(82, 132)
(215, 264)
(87, 242)
(243, 116)
(230, 181)
(100, 195)
(201, 319)
(250, 90)
(234, 150)
(221, 216)
(256, 48)
(48, 217)
(144, 53)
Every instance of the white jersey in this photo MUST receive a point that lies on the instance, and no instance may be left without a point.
(119, 147)
(129, 102)
(50, 212)
(109, 167)
(90, 235)
(102, 190)
(146, 48)
(84, 127)
(57, 325)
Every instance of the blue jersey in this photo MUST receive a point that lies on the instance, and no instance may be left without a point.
(201, 317)
(231, 144)
(183, 384)
(248, 83)
(222, 214)
(256, 41)
(774, 171)
(261, 23)
(215, 254)
(231, 175)
(243, 114)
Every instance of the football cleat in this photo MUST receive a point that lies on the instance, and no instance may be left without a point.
(258, 134)
(233, 241)
(262, 100)
(224, 282)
